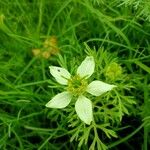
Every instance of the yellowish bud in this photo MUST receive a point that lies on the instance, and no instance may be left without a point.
(46, 54)
(50, 44)
(36, 52)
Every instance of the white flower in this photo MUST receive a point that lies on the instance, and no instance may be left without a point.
(76, 86)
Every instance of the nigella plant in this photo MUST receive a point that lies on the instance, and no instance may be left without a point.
(77, 86)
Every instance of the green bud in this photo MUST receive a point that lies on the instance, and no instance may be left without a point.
(113, 71)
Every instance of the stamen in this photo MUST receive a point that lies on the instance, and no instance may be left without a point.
(77, 85)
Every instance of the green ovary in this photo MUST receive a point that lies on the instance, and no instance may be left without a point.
(77, 85)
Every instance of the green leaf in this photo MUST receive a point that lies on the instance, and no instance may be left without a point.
(143, 66)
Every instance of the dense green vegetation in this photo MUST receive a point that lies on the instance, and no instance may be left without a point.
(36, 34)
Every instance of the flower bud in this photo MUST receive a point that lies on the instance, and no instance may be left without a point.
(113, 71)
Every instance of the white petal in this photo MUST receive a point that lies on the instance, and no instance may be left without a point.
(60, 74)
(86, 68)
(61, 100)
(97, 88)
(83, 107)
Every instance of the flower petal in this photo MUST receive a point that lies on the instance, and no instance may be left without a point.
(86, 68)
(61, 100)
(83, 107)
(60, 74)
(97, 88)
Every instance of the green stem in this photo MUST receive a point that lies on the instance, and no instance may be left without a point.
(32, 83)
(25, 69)
(145, 109)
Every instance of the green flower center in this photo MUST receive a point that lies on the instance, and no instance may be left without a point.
(77, 85)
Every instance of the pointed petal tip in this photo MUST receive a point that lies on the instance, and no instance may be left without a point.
(51, 67)
(48, 105)
(114, 86)
(88, 122)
